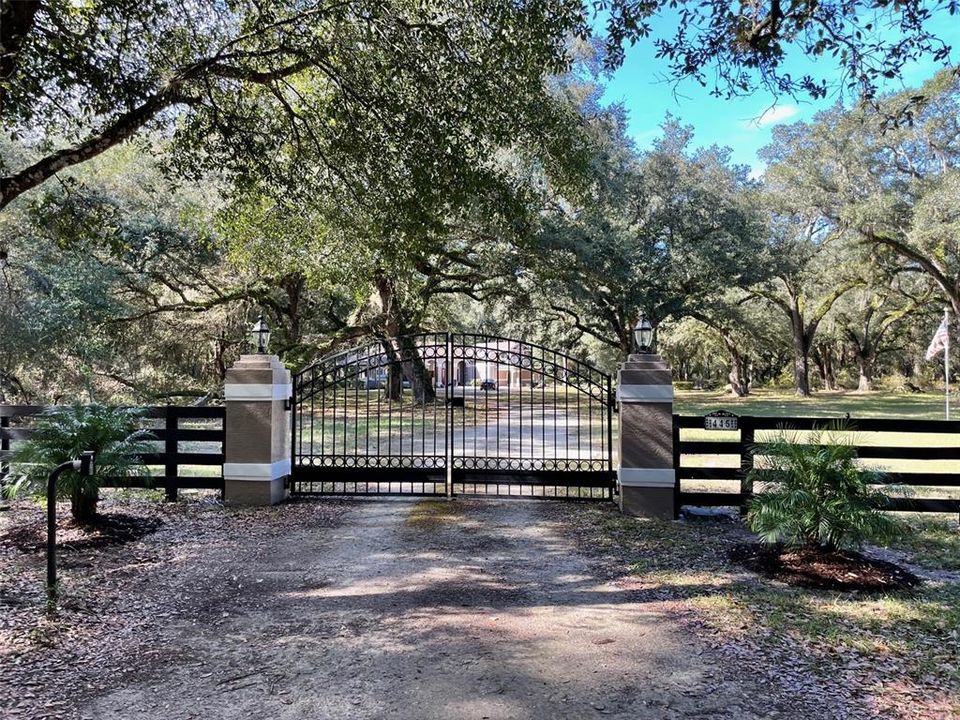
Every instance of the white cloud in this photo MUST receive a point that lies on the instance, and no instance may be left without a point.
(773, 115)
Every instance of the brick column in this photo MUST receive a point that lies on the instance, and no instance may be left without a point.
(257, 447)
(646, 475)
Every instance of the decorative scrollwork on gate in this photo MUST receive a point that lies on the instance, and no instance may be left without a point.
(437, 406)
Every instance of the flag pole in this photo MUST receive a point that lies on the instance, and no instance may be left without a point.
(946, 363)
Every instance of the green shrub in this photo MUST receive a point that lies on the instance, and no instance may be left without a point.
(62, 433)
(812, 495)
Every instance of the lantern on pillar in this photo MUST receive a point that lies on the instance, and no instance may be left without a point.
(643, 334)
(260, 335)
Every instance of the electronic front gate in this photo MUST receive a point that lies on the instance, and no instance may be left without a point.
(453, 414)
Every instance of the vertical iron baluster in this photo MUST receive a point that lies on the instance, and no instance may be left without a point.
(509, 412)
(543, 410)
(556, 381)
(294, 455)
(499, 382)
(447, 413)
(356, 415)
(579, 418)
(313, 415)
(379, 446)
(421, 411)
(333, 420)
(366, 436)
(590, 423)
(566, 412)
(519, 406)
(486, 402)
(389, 387)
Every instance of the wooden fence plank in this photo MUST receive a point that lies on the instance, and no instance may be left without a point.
(747, 447)
(169, 434)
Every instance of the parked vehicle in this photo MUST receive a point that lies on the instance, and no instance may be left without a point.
(487, 385)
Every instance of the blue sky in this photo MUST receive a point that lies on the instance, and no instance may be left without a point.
(743, 124)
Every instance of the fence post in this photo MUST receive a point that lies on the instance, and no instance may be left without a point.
(647, 476)
(747, 440)
(257, 450)
(4, 448)
(676, 466)
(170, 468)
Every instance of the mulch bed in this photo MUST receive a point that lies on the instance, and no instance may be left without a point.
(115, 528)
(846, 570)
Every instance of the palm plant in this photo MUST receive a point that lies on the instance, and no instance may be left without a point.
(812, 495)
(62, 433)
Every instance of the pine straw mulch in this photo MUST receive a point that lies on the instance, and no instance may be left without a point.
(845, 571)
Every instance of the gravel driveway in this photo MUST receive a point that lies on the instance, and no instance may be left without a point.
(430, 609)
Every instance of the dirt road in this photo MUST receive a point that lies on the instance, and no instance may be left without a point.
(471, 609)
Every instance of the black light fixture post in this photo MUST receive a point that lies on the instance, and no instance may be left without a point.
(260, 335)
(85, 465)
(643, 334)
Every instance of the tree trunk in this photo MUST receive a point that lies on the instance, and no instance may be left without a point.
(866, 376)
(801, 366)
(394, 387)
(801, 350)
(739, 369)
(83, 502)
(625, 338)
(402, 349)
(415, 370)
(824, 361)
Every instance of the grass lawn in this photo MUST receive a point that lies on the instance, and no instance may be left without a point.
(765, 402)
(897, 653)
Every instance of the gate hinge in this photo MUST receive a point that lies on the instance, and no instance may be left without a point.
(288, 403)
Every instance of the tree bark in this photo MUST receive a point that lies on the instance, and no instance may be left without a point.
(83, 502)
(401, 348)
(740, 369)
(866, 375)
(394, 386)
(866, 359)
(823, 358)
(801, 362)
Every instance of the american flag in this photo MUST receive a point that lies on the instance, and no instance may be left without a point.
(939, 341)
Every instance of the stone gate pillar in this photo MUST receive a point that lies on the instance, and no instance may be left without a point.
(646, 475)
(257, 446)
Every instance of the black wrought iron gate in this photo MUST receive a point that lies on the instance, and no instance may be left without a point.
(453, 414)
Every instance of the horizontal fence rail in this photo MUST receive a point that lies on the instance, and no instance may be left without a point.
(713, 472)
(184, 437)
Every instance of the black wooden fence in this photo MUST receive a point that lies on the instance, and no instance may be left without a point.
(731, 459)
(199, 429)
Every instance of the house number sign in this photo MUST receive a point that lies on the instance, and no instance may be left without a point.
(720, 420)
